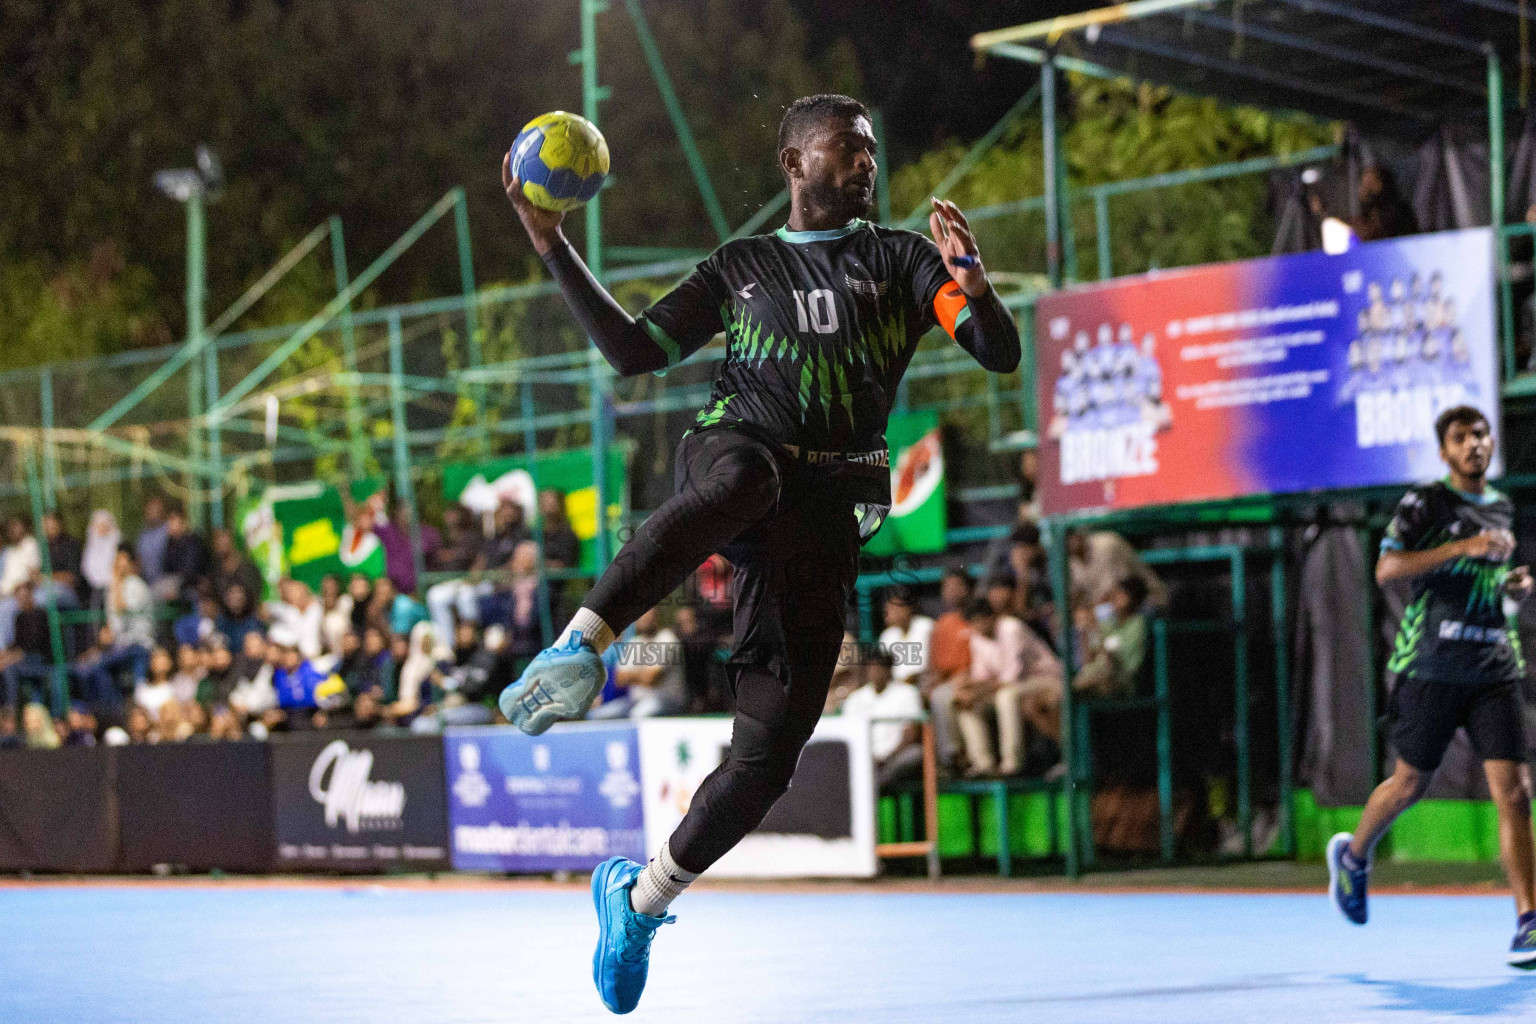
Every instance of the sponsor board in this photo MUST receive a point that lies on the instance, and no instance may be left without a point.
(568, 799)
(1293, 373)
(359, 802)
(823, 827)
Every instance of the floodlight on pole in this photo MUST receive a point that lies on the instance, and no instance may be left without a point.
(192, 186)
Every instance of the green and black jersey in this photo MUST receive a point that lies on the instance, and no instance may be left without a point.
(1456, 629)
(820, 326)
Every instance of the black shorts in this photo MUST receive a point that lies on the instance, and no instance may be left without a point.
(1425, 714)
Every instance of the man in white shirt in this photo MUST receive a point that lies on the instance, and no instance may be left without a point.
(21, 562)
(301, 612)
(894, 709)
(905, 637)
(1007, 661)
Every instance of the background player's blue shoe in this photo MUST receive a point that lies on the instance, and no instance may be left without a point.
(1522, 952)
(1347, 887)
(561, 683)
(623, 954)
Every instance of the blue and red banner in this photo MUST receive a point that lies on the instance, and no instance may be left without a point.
(1293, 373)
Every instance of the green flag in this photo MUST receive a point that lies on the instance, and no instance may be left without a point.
(918, 517)
(481, 485)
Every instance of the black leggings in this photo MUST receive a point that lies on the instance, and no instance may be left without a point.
(796, 557)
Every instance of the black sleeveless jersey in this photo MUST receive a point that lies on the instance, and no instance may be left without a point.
(1456, 629)
(820, 326)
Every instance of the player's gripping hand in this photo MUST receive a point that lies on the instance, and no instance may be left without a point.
(543, 226)
(1494, 545)
(1519, 583)
(952, 233)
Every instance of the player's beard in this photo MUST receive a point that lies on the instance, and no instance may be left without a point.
(842, 203)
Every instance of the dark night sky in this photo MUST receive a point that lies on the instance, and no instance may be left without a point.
(918, 65)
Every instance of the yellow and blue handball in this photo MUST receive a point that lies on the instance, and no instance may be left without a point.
(561, 160)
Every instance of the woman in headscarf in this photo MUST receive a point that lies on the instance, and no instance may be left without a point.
(101, 544)
(416, 672)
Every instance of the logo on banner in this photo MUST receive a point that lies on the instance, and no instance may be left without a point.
(470, 787)
(619, 786)
(339, 781)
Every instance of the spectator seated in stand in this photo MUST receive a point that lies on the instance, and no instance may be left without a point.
(649, 674)
(155, 692)
(186, 559)
(154, 537)
(459, 600)
(37, 728)
(28, 663)
(894, 709)
(79, 727)
(238, 618)
(64, 555)
(306, 688)
(1007, 661)
(194, 628)
(949, 660)
(906, 636)
(20, 563)
(1114, 635)
(299, 615)
(229, 565)
(102, 540)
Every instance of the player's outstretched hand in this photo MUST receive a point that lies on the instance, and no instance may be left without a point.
(543, 226)
(1519, 583)
(957, 245)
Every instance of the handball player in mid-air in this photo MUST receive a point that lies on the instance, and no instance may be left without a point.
(785, 472)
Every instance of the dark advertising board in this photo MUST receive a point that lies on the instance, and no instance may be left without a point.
(360, 802)
(198, 805)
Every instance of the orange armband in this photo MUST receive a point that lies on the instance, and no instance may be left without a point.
(951, 308)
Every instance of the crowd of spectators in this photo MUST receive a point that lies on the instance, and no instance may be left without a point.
(171, 638)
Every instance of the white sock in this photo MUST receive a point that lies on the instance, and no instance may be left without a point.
(592, 629)
(659, 884)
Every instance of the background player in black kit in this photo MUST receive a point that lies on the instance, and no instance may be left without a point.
(785, 472)
(1459, 665)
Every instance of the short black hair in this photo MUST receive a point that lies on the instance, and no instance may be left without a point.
(881, 655)
(1135, 588)
(900, 595)
(960, 574)
(1025, 533)
(1463, 414)
(809, 112)
(978, 609)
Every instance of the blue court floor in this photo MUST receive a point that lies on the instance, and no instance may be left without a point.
(374, 955)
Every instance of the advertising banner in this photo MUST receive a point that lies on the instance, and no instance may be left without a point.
(481, 486)
(918, 515)
(568, 799)
(823, 827)
(357, 801)
(1294, 373)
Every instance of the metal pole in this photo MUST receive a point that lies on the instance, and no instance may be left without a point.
(404, 489)
(1028, 400)
(591, 95)
(55, 633)
(679, 120)
(1240, 735)
(50, 453)
(1064, 201)
(196, 294)
(883, 181)
(1056, 536)
(1052, 199)
(1281, 633)
(530, 451)
(1496, 208)
(358, 452)
(1101, 234)
(215, 436)
(471, 314)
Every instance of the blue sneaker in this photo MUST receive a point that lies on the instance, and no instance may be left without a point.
(1347, 887)
(561, 683)
(1522, 952)
(623, 954)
